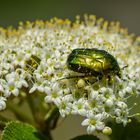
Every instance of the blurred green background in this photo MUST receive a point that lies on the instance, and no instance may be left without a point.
(125, 11)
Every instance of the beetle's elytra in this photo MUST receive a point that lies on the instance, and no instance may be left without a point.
(93, 62)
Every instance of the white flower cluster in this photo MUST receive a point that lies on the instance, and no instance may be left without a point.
(34, 57)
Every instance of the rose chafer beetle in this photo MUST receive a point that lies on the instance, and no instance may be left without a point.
(93, 62)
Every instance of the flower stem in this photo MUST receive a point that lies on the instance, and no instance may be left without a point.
(20, 115)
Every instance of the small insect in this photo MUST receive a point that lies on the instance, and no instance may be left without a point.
(93, 62)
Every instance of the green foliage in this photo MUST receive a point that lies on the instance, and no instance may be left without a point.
(130, 132)
(20, 131)
(85, 137)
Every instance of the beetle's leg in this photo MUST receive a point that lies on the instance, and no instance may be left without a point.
(78, 76)
(114, 85)
(108, 77)
(71, 77)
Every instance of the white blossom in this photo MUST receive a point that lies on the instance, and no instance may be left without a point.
(54, 94)
(93, 123)
(35, 58)
(79, 107)
(2, 103)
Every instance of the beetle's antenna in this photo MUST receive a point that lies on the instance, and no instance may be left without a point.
(124, 67)
(119, 74)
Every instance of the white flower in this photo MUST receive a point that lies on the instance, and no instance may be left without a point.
(122, 94)
(34, 87)
(40, 88)
(123, 120)
(11, 89)
(1, 88)
(24, 83)
(118, 112)
(79, 107)
(128, 90)
(121, 105)
(109, 102)
(2, 103)
(15, 91)
(132, 84)
(64, 107)
(90, 129)
(93, 124)
(94, 94)
(20, 60)
(54, 94)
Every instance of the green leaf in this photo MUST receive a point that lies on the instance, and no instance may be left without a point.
(20, 131)
(130, 132)
(85, 137)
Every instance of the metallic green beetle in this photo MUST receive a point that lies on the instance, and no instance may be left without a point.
(94, 62)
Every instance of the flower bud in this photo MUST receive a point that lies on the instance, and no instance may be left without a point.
(107, 130)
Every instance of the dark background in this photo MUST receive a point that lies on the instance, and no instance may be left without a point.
(125, 11)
